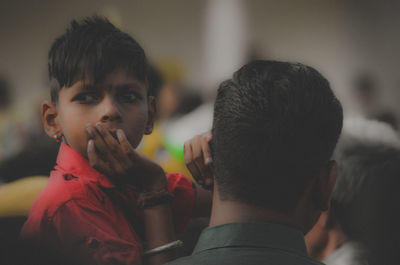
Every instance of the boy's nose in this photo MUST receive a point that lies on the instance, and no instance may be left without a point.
(110, 111)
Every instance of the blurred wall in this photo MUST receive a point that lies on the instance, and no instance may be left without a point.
(340, 38)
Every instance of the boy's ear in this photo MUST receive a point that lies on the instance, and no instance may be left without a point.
(50, 119)
(324, 185)
(152, 110)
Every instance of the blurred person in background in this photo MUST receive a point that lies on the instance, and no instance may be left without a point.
(368, 96)
(11, 137)
(25, 160)
(174, 100)
(361, 226)
(25, 150)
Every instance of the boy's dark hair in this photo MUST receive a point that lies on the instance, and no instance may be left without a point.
(275, 127)
(90, 49)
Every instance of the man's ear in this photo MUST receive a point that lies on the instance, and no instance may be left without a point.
(152, 110)
(50, 119)
(324, 185)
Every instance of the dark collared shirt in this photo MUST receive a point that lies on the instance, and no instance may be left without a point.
(83, 213)
(249, 244)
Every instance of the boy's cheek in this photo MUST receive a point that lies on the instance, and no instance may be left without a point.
(135, 135)
(134, 140)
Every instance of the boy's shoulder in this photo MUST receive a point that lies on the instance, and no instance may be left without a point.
(61, 189)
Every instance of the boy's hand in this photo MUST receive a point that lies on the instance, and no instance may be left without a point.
(114, 157)
(198, 159)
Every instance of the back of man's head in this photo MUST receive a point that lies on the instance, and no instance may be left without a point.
(275, 127)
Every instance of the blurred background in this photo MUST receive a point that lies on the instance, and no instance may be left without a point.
(194, 45)
(347, 40)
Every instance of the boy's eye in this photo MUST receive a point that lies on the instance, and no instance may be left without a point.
(128, 97)
(87, 98)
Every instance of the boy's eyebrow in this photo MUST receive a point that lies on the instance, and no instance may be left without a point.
(134, 85)
(129, 85)
(88, 87)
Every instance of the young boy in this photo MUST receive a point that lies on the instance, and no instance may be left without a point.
(102, 194)
(274, 130)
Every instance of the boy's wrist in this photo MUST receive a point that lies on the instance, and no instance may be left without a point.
(148, 200)
(150, 182)
(158, 182)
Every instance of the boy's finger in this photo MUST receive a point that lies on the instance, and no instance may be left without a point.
(127, 149)
(187, 152)
(109, 153)
(208, 136)
(195, 173)
(188, 155)
(198, 153)
(114, 148)
(97, 138)
(103, 156)
(205, 148)
(208, 176)
(196, 148)
(191, 165)
(95, 161)
(207, 172)
(198, 156)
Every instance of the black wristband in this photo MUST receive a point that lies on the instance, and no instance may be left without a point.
(150, 199)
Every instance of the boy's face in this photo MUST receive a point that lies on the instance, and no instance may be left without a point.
(118, 102)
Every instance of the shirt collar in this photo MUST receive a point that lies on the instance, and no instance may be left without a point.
(71, 162)
(252, 235)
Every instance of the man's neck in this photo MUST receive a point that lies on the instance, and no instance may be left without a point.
(228, 211)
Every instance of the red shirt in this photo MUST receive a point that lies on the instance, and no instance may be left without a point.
(81, 211)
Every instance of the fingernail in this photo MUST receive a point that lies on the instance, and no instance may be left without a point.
(89, 130)
(90, 145)
(120, 133)
(209, 136)
(208, 160)
(100, 128)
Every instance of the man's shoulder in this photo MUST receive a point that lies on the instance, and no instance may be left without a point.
(181, 261)
(244, 255)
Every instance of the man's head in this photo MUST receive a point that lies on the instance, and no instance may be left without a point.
(274, 130)
(98, 74)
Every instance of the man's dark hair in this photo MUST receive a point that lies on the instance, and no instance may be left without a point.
(90, 49)
(275, 127)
